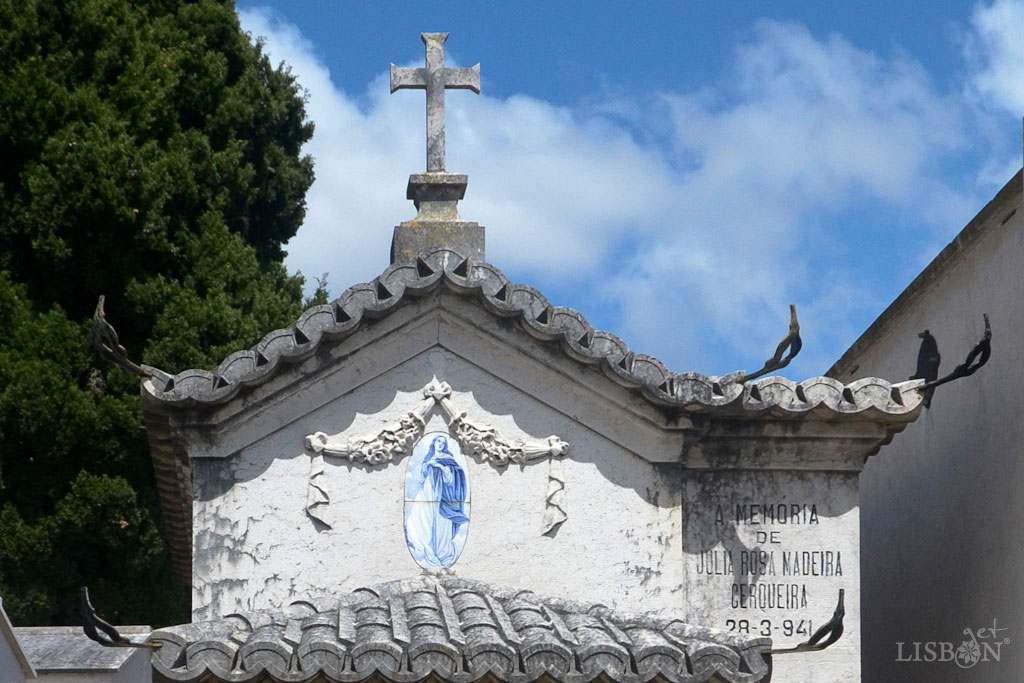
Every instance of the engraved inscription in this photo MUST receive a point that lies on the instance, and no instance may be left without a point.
(777, 565)
(768, 553)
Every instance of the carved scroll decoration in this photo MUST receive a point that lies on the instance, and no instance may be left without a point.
(316, 495)
(554, 507)
(479, 440)
(375, 448)
(484, 442)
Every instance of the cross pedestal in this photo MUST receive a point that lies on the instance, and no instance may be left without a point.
(437, 222)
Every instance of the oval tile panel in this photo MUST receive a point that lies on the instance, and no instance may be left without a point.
(436, 501)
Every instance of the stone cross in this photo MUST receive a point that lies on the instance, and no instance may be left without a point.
(435, 78)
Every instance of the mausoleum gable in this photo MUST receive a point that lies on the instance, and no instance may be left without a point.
(689, 419)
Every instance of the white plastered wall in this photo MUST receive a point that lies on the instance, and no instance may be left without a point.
(255, 547)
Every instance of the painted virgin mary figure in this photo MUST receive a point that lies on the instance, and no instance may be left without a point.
(435, 510)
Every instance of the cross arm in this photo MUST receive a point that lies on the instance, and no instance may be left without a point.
(460, 79)
(412, 78)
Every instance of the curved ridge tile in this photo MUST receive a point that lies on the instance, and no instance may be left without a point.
(872, 392)
(825, 392)
(576, 333)
(458, 271)
(710, 659)
(265, 654)
(488, 279)
(653, 652)
(620, 370)
(607, 347)
(169, 660)
(314, 322)
(372, 298)
(695, 389)
(441, 259)
(908, 394)
(191, 382)
(319, 648)
(237, 366)
(654, 378)
(598, 651)
(215, 656)
(688, 391)
(775, 392)
(534, 309)
(409, 276)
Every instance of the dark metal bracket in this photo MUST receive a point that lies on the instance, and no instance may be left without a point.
(791, 341)
(928, 361)
(103, 338)
(111, 638)
(977, 358)
(824, 636)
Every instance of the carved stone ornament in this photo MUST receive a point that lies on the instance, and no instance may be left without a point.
(478, 440)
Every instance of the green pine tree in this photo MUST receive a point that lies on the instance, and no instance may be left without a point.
(151, 153)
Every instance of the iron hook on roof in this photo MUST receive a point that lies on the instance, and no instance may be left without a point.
(92, 624)
(791, 341)
(824, 636)
(978, 356)
(103, 338)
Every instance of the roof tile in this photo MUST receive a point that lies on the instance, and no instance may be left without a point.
(403, 634)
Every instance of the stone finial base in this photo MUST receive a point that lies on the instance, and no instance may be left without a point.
(437, 223)
(415, 237)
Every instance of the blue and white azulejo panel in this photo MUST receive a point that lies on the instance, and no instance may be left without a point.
(437, 501)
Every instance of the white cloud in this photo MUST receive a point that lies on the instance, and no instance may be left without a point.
(700, 238)
(538, 174)
(806, 130)
(997, 49)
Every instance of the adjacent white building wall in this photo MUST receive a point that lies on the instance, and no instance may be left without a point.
(63, 654)
(10, 669)
(942, 507)
(14, 665)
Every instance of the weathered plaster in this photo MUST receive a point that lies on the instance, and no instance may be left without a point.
(253, 541)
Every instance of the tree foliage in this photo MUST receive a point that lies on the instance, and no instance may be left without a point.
(151, 153)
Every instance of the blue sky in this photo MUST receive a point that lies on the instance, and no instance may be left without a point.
(678, 172)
